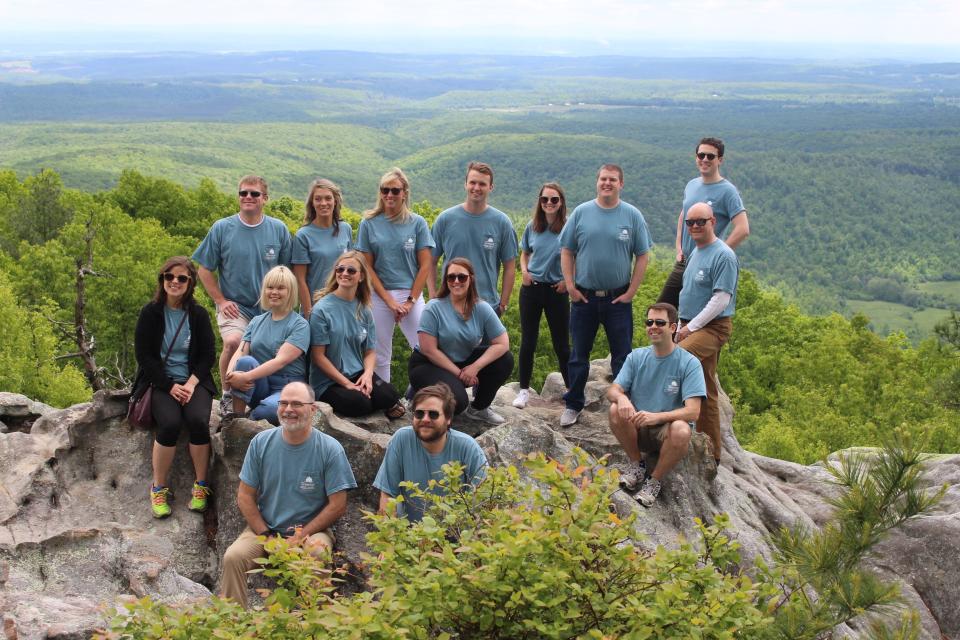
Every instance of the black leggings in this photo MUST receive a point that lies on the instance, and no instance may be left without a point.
(536, 299)
(423, 373)
(353, 404)
(170, 416)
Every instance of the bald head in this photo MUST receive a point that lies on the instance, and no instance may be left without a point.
(700, 223)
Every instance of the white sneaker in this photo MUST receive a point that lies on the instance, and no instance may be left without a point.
(633, 475)
(648, 492)
(522, 399)
(484, 415)
(569, 417)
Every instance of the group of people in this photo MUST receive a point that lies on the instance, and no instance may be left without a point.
(312, 317)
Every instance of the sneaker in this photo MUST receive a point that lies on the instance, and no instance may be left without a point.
(200, 494)
(226, 404)
(569, 417)
(633, 474)
(158, 501)
(522, 399)
(648, 492)
(484, 415)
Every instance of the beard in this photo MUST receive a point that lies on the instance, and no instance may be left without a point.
(294, 425)
(435, 434)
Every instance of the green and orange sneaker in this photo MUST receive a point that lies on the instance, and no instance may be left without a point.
(158, 501)
(200, 494)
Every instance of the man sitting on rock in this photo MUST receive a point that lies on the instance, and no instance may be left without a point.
(653, 403)
(416, 453)
(293, 483)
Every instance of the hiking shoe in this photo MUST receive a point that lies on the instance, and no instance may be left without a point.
(158, 501)
(200, 494)
(633, 474)
(569, 417)
(648, 492)
(522, 399)
(226, 404)
(484, 415)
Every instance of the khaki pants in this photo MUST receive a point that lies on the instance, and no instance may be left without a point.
(240, 557)
(705, 344)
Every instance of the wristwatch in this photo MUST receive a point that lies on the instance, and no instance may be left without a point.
(409, 298)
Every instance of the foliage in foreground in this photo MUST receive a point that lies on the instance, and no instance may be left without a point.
(550, 559)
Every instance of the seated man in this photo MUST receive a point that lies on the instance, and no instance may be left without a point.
(293, 483)
(416, 453)
(653, 401)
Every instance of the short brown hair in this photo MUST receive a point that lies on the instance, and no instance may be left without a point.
(252, 179)
(441, 392)
(717, 143)
(671, 310)
(611, 167)
(479, 167)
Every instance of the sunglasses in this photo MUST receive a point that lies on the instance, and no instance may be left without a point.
(169, 277)
(253, 194)
(391, 190)
(293, 404)
(706, 156)
(659, 322)
(699, 222)
(419, 414)
(349, 270)
(550, 199)
(458, 277)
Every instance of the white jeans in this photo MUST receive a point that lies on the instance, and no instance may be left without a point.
(385, 323)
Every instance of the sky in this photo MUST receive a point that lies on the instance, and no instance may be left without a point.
(819, 28)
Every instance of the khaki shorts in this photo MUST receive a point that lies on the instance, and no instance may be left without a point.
(650, 439)
(231, 325)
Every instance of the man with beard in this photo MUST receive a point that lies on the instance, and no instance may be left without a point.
(293, 483)
(416, 454)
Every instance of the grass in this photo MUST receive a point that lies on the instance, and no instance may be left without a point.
(887, 317)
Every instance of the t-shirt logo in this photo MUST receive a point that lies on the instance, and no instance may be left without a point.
(362, 334)
(270, 253)
(672, 387)
(409, 244)
(307, 485)
(489, 243)
(701, 276)
(624, 234)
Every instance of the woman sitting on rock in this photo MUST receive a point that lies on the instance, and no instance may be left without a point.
(175, 351)
(272, 349)
(462, 344)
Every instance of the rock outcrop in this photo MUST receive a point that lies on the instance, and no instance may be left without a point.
(76, 532)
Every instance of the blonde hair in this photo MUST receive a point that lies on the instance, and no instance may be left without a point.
(310, 212)
(394, 174)
(280, 275)
(257, 180)
(363, 287)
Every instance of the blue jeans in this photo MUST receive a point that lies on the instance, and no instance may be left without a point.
(264, 396)
(585, 319)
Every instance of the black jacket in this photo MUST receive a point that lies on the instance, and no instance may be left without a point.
(148, 346)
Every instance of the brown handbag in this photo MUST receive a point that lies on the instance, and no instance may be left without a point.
(140, 410)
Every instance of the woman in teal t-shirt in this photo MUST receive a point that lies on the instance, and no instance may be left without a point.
(320, 241)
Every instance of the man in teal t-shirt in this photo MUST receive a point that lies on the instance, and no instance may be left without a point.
(416, 454)
(656, 396)
(481, 234)
(241, 249)
(293, 483)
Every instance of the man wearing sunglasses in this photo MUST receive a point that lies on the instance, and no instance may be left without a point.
(293, 483)
(707, 303)
(653, 403)
(241, 249)
(712, 188)
(416, 454)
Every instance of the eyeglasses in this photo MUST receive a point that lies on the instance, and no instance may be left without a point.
(706, 156)
(253, 194)
(391, 190)
(182, 279)
(699, 222)
(293, 404)
(349, 270)
(659, 322)
(550, 199)
(458, 277)
(419, 414)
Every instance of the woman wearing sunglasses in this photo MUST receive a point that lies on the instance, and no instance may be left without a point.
(543, 290)
(462, 344)
(320, 241)
(342, 340)
(396, 244)
(175, 351)
(272, 349)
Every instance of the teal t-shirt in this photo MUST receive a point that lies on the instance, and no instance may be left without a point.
(544, 250)
(241, 255)
(722, 196)
(293, 482)
(334, 324)
(177, 366)
(394, 247)
(661, 384)
(487, 240)
(319, 249)
(267, 335)
(407, 461)
(605, 242)
(713, 268)
(457, 337)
